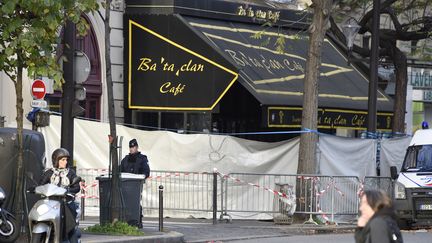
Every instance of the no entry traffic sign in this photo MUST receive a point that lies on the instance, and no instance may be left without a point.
(38, 89)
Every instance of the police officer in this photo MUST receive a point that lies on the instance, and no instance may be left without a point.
(135, 162)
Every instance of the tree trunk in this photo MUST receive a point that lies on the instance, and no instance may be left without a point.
(318, 28)
(115, 207)
(400, 63)
(19, 179)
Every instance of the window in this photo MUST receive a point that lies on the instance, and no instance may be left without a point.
(93, 84)
(424, 158)
(418, 158)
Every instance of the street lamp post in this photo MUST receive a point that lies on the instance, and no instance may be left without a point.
(373, 83)
(350, 30)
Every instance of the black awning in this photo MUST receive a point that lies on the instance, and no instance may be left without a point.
(170, 67)
(275, 77)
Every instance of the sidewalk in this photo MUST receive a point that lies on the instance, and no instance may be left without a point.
(203, 230)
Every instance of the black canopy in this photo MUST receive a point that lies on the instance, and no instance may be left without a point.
(180, 62)
(275, 77)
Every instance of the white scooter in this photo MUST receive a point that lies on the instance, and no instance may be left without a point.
(50, 219)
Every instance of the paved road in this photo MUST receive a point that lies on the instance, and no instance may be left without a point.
(417, 237)
(202, 230)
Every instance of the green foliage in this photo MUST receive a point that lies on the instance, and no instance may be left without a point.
(257, 35)
(29, 34)
(117, 228)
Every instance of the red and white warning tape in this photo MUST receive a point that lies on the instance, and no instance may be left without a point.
(86, 196)
(314, 179)
(361, 188)
(278, 193)
(86, 187)
(175, 174)
(91, 171)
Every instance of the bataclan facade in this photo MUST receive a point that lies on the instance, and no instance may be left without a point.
(213, 66)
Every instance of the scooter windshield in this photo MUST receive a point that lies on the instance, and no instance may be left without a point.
(50, 190)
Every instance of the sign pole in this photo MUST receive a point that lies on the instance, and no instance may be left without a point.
(67, 124)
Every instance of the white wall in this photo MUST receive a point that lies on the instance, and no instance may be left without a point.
(116, 24)
(8, 99)
(7, 89)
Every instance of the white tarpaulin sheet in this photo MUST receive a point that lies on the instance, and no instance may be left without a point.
(349, 157)
(182, 152)
(346, 156)
(393, 153)
(177, 152)
(337, 156)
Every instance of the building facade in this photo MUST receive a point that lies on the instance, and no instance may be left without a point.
(93, 46)
(229, 81)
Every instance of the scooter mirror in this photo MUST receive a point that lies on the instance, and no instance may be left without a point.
(76, 180)
(31, 189)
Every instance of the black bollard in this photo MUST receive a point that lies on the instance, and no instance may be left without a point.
(160, 208)
(214, 196)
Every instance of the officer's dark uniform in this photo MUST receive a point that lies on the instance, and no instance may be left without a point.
(135, 163)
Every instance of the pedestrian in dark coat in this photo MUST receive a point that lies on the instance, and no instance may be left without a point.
(377, 222)
(135, 162)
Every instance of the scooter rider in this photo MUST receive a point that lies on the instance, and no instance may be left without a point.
(62, 176)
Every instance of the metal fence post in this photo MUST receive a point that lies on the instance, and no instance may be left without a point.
(214, 195)
(222, 198)
(226, 197)
(161, 208)
(83, 192)
(332, 199)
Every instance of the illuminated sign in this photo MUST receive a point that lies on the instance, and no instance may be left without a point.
(165, 74)
(269, 15)
(327, 118)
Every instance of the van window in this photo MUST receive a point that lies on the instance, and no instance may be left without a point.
(418, 158)
(424, 158)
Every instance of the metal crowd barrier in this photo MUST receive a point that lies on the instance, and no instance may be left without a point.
(249, 194)
(186, 194)
(246, 195)
(317, 195)
(376, 182)
(90, 186)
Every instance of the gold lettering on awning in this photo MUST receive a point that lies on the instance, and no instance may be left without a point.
(147, 64)
(269, 15)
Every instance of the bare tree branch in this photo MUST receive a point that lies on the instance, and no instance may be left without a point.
(390, 11)
(364, 22)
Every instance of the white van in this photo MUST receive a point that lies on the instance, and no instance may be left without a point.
(413, 187)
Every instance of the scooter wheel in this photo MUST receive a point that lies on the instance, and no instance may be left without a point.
(9, 231)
